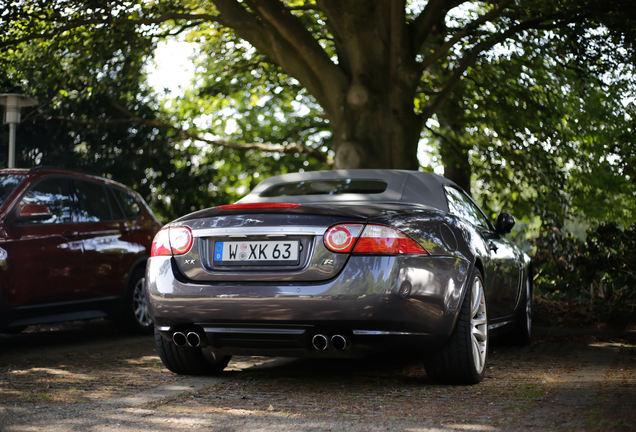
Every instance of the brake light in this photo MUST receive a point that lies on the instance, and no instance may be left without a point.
(172, 241)
(375, 239)
(380, 239)
(257, 206)
(341, 238)
(181, 240)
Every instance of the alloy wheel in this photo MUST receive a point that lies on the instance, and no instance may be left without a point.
(479, 325)
(140, 306)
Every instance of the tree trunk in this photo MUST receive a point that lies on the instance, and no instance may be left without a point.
(376, 130)
(375, 125)
(367, 85)
(456, 164)
(452, 147)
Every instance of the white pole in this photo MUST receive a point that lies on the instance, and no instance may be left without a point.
(12, 127)
(13, 103)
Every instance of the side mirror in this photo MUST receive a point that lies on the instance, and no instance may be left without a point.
(34, 213)
(504, 224)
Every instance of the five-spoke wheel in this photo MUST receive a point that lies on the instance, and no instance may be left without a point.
(462, 359)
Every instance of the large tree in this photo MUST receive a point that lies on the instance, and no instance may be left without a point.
(379, 70)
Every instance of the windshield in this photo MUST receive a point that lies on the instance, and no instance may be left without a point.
(8, 183)
(326, 187)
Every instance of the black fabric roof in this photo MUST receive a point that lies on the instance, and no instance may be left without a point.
(413, 187)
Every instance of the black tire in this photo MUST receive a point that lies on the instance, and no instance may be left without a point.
(184, 360)
(136, 318)
(13, 330)
(462, 359)
(522, 333)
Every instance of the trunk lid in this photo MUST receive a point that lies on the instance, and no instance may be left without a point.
(263, 245)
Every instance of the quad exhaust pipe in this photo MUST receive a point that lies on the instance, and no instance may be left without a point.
(337, 342)
(320, 342)
(340, 342)
(191, 339)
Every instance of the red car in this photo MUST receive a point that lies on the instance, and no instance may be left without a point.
(72, 246)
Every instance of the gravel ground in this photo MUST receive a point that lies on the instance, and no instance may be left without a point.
(87, 377)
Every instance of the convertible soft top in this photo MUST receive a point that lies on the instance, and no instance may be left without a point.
(363, 185)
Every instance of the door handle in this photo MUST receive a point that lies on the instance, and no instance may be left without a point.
(69, 235)
(125, 229)
(492, 246)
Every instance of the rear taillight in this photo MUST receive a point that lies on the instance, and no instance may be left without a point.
(374, 239)
(172, 241)
(380, 239)
(341, 238)
(257, 206)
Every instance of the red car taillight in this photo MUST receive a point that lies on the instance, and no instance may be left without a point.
(172, 241)
(375, 239)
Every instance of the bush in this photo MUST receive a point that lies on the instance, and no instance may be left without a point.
(595, 277)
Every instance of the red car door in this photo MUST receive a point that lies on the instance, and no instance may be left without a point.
(44, 256)
(107, 255)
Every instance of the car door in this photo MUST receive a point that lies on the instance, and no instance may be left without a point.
(106, 255)
(44, 256)
(501, 263)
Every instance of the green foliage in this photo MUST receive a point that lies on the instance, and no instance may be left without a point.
(539, 120)
(598, 273)
(96, 114)
(547, 132)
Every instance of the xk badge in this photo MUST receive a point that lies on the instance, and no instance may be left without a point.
(189, 261)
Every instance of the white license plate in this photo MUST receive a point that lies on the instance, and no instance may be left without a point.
(279, 252)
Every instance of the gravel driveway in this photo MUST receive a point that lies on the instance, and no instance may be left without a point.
(87, 377)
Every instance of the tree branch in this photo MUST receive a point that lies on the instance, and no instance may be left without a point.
(422, 26)
(186, 134)
(295, 49)
(309, 7)
(74, 24)
(493, 13)
(470, 57)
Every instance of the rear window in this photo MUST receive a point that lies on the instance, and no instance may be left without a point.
(326, 187)
(128, 203)
(8, 183)
(93, 203)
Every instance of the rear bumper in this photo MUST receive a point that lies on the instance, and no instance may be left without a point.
(376, 302)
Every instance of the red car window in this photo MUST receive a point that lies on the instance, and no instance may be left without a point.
(93, 203)
(53, 193)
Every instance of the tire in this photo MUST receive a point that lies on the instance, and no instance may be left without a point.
(522, 333)
(185, 360)
(136, 316)
(13, 330)
(462, 359)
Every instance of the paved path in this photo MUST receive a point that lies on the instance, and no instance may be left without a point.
(87, 377)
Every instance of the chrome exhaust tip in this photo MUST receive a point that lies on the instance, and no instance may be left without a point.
(179, 339)
(194, 340)
(320, 342)
(340, 342)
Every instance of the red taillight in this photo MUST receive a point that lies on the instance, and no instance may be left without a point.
(257, 206)
(380, 239)
(375, 239)
(341, 238)
(174, 240)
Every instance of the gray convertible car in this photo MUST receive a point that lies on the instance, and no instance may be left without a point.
(340, 264)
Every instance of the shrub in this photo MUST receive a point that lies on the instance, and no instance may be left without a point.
(598, 274)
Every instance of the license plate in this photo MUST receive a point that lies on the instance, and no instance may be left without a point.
(257, 252)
